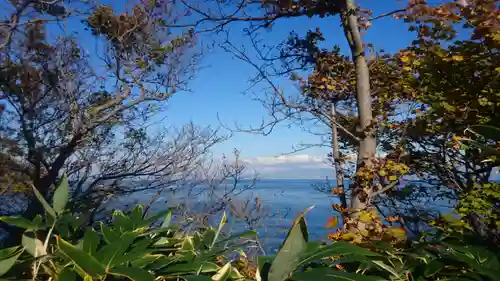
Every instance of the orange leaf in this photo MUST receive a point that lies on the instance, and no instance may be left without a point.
(332, 222)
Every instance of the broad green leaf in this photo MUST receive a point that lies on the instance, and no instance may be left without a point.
(32, 244)
(109, 234)
(197, 240)
(44, 203)
(327, 274)
(187, 244)
(489, 132)
(139, 250)
(162, 264)
(432, 268)
(136, 215)
(244, 234)
(122, 221)
(38, 222)
(8, 252)
(263, 266)
(155, 217)
(222, 222)
(288, 257)
(132, 273)
(181, 267)
(61, 195)
(20, 222)
(223, 273)
(107, 254)
(198, 278)
(208, 236)
(63, 228)
(81, 259)
(90, 241)
(6, 264)
(315, 251)
(387, 268)
(145, 260)
(67, 274)
(235, 274)
(167, 220)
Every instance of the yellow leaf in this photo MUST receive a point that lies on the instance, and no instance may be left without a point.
(457, 58)
(332, 222)
(365, 217)
(382, 173)
(397, 232)
(405, 59)
(393, 178)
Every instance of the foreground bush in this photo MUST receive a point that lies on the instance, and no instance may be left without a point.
(57, 247)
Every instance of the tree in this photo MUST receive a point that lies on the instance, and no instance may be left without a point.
(63, 112)
(271, 11)
(379, 99)
(455, 83)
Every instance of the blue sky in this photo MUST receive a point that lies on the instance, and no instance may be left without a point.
(216, 92)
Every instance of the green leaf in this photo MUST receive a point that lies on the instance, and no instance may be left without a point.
(61, 196)
(37, 222)
(387, 268)
(244, 234)
(67, 274)
(136, 215)
(8, 252)
(44, 203)
(107, 254)
(187, 244)
(161, 265)
(6, 264)
(489, 132)
(155, 217)
(132, 273)
(263, 265)
(432, 268)
(222, 222)
(32, 244)
(109, 234)
(223, 273)
(145, 260)
(208, 236)
(20, 222)
(139, 250)
(316, 251)
(288, 257)
(90, 241)
(327, 274)
(167, 220)
(81, 259)
(198, 278)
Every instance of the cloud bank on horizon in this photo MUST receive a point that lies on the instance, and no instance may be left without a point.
(296, 166)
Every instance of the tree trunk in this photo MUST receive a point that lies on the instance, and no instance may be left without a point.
(339, 174)
(367, 144)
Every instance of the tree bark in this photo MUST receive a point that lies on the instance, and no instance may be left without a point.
(339, 174)
(367, 143)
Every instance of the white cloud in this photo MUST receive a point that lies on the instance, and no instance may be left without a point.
(290, 166)
(286, 159)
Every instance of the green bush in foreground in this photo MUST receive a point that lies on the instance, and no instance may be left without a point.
(57, 247)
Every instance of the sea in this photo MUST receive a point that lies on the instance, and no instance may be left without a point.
(281, 200)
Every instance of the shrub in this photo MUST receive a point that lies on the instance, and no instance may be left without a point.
(57, 247)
